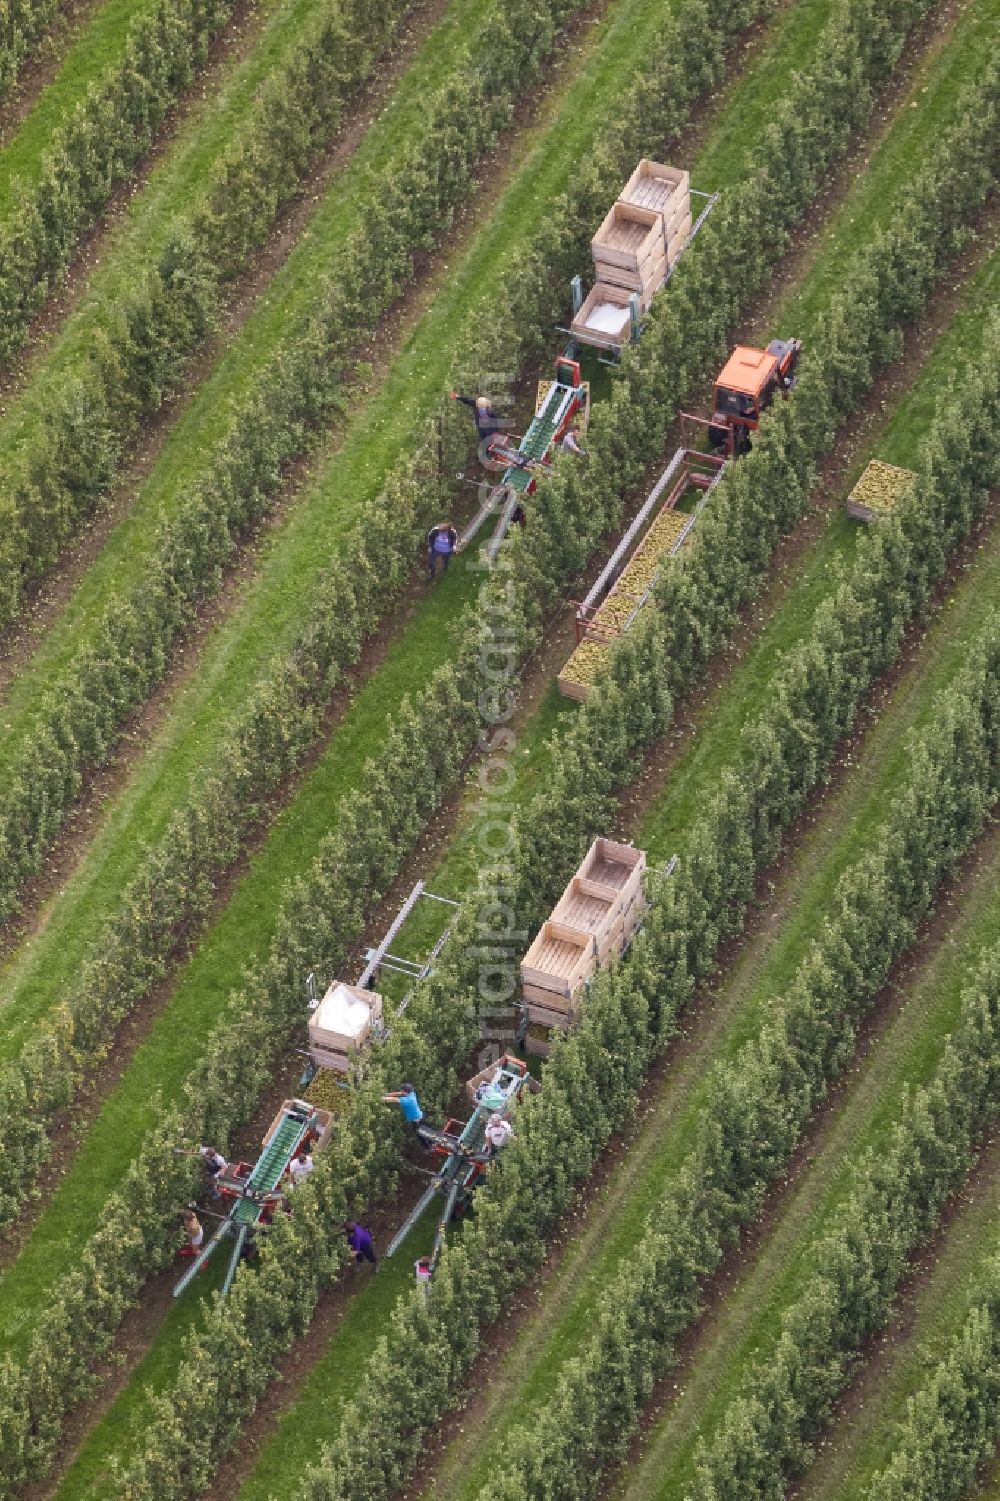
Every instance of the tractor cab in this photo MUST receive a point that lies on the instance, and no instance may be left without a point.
(746, 387)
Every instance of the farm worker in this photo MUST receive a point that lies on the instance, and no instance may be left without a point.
(571, 442)
(442, 541)
(214, 1163)
(194, 1233)
(361, 1242)
(485, 415)
(498, 1131)
(300, 1167)
(406, 1098)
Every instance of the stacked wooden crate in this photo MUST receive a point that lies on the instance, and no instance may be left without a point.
(342, 1024)
(594, 919)
(634, 248)
(667, 191)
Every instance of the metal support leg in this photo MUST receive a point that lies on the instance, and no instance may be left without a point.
(202, 1257)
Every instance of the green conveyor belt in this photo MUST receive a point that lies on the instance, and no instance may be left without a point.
(276, 1156)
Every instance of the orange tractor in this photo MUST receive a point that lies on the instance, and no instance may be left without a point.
(746, 387)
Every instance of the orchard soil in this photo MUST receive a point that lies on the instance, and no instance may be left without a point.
(485, 1392)
(983, 862)
(143, 1320)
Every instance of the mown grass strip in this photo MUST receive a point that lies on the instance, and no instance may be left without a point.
(744, 688)
(173, 1046)
(173, 185)
(331, 1379)
(284, 307)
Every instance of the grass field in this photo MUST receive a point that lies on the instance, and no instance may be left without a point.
(256, 618)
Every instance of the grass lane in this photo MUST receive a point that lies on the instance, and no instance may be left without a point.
(205, 418)
(156, 1063)
(331, 1381)
(453, 585)
(173, 186)
(172, 1047)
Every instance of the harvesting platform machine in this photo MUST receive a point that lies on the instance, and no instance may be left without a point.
(560, 404)
(464, 1153)
(253, 1190)
(635, 252)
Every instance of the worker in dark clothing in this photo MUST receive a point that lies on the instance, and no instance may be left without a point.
(213, 1164)
(361, 1242)
(442, 541)
(485, 415)
(489, 425)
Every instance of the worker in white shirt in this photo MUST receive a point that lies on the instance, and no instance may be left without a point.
(300, 1167)
(214, 1163)
(571, 442)
(498, 1131)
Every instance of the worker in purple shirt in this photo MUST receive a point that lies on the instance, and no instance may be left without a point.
(361, 1242)
(442, 541)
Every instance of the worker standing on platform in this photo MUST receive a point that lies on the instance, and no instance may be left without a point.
(300, 1167)
(571, 442)
(361, 1242)
(406, 1098)
(214, 1163)
(195, 1235)
(498, 1132)
(442, 540)
(489, 423)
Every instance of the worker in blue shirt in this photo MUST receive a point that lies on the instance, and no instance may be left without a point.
(406, 1098)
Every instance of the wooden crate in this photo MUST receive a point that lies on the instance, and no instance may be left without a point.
(678, 240)
(545, 1016)
(653, 185)
(342, 1022)
(598, 913)
(324, 1121)
(588, 325)
(559, 959)
(551, 1000)
(646, 282)
(628, 238)
(613, 868)
(538, 1046)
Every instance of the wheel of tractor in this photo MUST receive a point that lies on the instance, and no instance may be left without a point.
(491, 464)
